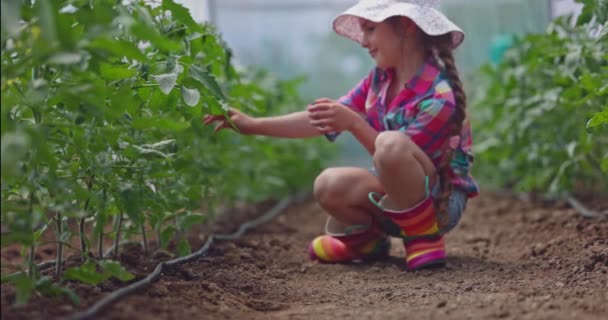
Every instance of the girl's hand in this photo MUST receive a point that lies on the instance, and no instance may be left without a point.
(330, 116)
(244, 123)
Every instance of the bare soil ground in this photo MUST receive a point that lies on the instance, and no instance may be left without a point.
(508, 259)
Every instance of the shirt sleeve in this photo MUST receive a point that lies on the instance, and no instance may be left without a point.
(430, 128)
(355, 100)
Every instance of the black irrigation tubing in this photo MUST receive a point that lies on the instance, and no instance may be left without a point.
(572, 202)
(166, 265)
(583, 211)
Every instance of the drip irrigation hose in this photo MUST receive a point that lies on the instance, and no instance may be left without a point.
(583, 211)
(171, 264)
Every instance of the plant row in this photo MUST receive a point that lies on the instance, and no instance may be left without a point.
(101, 128)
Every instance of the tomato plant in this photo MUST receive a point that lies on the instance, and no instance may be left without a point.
(101, 124)
(542, 119)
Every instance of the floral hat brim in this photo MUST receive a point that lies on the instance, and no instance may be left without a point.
(425, 13)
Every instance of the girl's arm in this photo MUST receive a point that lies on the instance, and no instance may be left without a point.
(330, 116)
(293, 125)
(365, 134)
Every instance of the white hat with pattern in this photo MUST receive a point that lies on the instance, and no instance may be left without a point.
(425, 13)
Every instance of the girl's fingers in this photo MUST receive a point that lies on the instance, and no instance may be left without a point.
(326, 129)
(319, 115)
(321, 123)
(221, 125)
(211, 118)
(319, 107)
(207, 120)
(323, 100)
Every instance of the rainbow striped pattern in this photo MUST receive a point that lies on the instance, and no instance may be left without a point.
(420, 221)
(370, 244)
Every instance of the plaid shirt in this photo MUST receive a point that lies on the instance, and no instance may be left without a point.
(421, 110)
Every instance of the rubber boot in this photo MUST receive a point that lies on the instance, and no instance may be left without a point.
(424, 245)
(343, 244)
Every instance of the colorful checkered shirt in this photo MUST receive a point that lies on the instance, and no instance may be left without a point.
(421, 110)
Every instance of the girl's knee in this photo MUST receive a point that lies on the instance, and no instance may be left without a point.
(393, 148)
(327, 187)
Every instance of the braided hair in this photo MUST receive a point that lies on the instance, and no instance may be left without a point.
(440, 46)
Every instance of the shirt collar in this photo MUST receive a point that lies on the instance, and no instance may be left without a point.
(423, 79)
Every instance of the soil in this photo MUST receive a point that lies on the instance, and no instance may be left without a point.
(508, 259)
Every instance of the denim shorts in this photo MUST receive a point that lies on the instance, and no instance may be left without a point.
(456, 203)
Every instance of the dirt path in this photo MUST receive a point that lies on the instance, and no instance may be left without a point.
(507, 259)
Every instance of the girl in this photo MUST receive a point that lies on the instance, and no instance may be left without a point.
(409, 113)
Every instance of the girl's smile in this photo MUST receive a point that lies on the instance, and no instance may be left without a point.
(383, 42)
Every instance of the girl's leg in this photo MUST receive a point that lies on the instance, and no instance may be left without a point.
(402, 167)
(405, 171)
(352, 233)
(342, 193)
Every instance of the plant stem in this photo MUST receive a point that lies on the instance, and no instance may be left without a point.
(145, 239)
(150, 85)
(158, 236)
(100, 245)
(83, 243)
(59, 259)
(32, 256)
(117, 239)
(100, 236)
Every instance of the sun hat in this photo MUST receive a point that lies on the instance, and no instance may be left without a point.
(425, 13)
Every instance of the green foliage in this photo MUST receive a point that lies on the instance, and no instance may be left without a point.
(541, 122)
(26, 285)
(89, 273)
(101, 115)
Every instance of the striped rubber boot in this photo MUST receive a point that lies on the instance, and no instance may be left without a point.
(358, 242)
(424, 246)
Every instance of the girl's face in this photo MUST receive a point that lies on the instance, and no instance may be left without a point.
(382, 42)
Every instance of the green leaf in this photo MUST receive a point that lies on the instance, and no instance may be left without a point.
(86, 273)
(186, 222)
(598, 119)
(183, 248)
(118, 48)
(47, 288)
(166, 235)
(116, 72)
(25, 286)
(193, 36)
(66, 58)
(162, 145)
(166, 81)
(14, 146)
(159, 123)
(190, 96)
(20, 237)
(146, 32)
(114, 269)
(130, 203)
(207, 80)
(181, 14)
(150, 153)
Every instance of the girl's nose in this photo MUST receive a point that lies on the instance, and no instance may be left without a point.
(365, 43)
